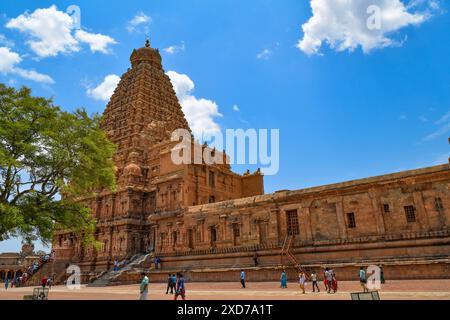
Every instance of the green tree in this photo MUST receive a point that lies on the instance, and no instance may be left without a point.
(50, 160)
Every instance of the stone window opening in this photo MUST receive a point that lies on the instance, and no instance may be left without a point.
(386, 208)
(212, 180)
(212, 199)
(351, 220)
(438, 204)
(292, 223)
(410, 213)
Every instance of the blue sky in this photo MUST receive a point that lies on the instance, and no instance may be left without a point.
(349, 108)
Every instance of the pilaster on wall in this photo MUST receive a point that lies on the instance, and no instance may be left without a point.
(376, 205)
(340, 218)
(421, 210)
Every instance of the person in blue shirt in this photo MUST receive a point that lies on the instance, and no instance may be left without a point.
(243, 279)
(283, 280)
(362, 279)
(180, 288)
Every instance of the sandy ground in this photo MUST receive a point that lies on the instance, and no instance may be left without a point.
(393, 290)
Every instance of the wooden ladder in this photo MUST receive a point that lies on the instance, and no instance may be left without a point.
(285, 251)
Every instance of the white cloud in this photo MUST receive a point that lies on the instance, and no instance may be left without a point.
(8, 65)
(52, 32)
(104, 90)
(139, 23)
(200, 113)
(97, 42)
(443, 128)
(175, 49)
(343, 25)
(236, 108)
(265, 54)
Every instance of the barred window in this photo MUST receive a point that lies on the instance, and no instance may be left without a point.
(438, 203)
(386, 208)
(351, 220)
(410, 213)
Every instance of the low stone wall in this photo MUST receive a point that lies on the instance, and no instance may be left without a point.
(426, 269)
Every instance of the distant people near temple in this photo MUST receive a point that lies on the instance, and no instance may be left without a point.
(180, 289)
(43, 282)
(6, 284)
(314, 282)
(283, 279)
(363, 280)
(302, 281)
(242, 277)
(382, 280)
(334, 284)
(156, 262)
(329, 278)
(49, 283)
(143, 289)
(171, 283)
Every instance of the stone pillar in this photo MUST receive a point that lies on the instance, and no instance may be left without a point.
(422, 216)
(341, 219)
(378, 214)
(223, 227)
(305, 223)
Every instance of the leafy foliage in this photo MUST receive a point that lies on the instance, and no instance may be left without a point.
(50, 160)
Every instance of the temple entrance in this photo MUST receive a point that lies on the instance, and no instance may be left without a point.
(292, 223)
(236, 234)
(190, 238)
(213, 236)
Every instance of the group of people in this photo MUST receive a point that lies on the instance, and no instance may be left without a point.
(175, 283)
(22, 278)
(330, 281)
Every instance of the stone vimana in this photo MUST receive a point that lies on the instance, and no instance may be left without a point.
(209, 222)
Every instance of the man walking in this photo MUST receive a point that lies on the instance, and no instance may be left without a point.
(302, 281)
(314, 281)
(180, 289)
(329, 277)
(243, 279)
(143, 289)
(170, 284)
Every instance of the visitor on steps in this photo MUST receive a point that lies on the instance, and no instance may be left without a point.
(243, 279)
(180, 289)
(116, 265)
(6, 284)
(314, 281)
(143, 289)
(171, 283)
(283, 280)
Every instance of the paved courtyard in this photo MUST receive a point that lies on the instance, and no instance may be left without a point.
(393, 290)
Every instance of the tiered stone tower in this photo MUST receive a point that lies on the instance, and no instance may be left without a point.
(140, 118)
(142, 112)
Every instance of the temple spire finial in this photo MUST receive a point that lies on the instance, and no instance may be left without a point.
(147, 42)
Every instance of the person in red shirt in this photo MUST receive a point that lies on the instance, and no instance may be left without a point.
(44, 282)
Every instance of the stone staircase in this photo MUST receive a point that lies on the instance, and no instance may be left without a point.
(49, 269)
(110, 278)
